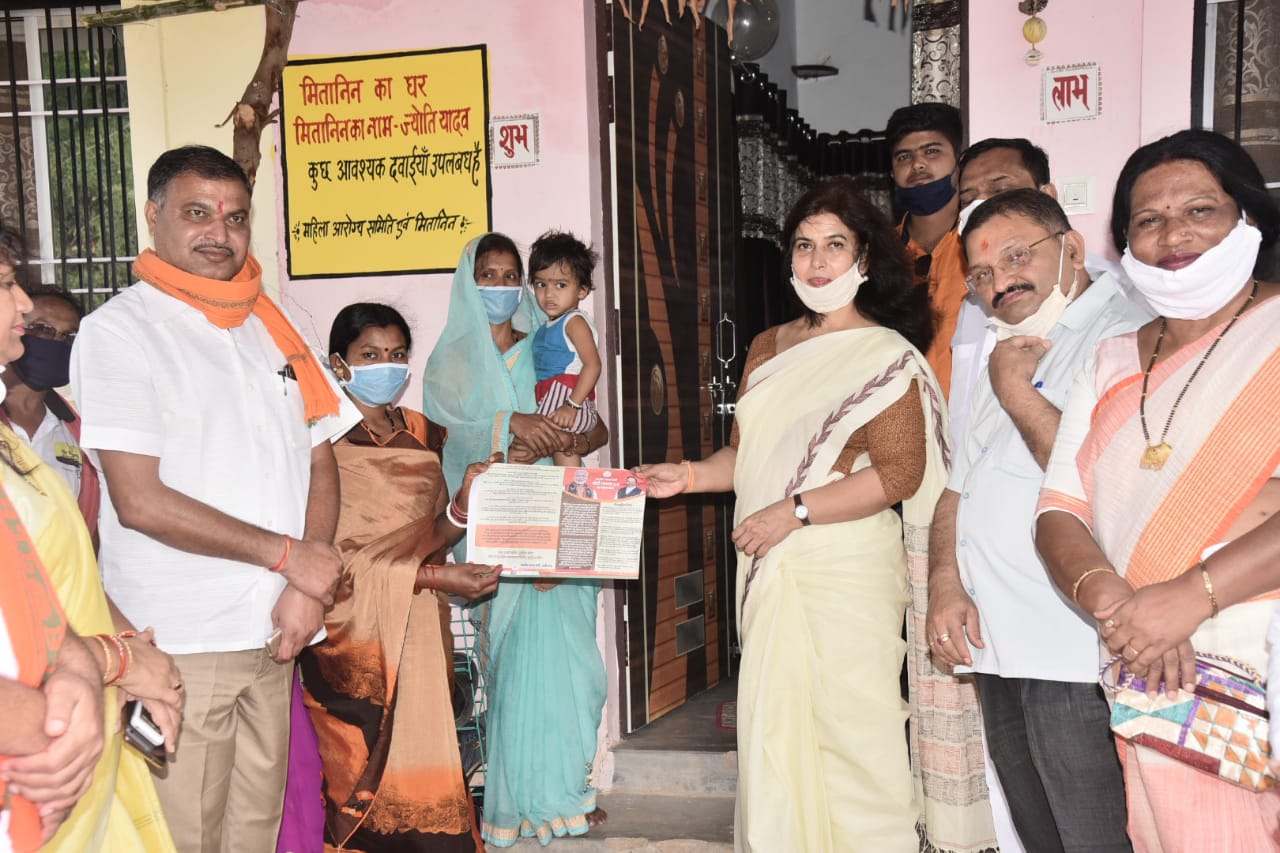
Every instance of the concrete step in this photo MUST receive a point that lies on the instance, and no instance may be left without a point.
(654, 823)
(674, 772)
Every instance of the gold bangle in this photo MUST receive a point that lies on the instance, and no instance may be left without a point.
(1075, 587)
(106, 658)
(688, 486)
(1208, 587)
(128, 655)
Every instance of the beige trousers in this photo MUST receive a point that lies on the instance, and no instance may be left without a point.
(224, 790)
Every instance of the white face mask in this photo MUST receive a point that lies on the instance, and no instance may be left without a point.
(832, 296)
(965, 212)
(1043, 319)
(1206, 284)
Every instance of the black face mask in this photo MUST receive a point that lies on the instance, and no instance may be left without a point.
(45, 363)
(926, 198)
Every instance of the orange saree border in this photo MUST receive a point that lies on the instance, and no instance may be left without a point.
(1222, 479)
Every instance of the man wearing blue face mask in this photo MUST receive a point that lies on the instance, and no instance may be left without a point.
(924, 141)
(35, 411)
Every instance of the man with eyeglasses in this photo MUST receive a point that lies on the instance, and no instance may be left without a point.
(924, 141)
(35, 411)
(992, 608)
(986, 169)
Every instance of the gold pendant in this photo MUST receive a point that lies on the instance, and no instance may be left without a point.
(1153, 458)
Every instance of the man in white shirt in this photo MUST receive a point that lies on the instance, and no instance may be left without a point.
(992, 607)
(986, 169)
(210, 421)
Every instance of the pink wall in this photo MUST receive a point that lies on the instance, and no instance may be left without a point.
(1144, 49)
(540, 61)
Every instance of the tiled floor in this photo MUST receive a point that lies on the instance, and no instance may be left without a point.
(692, 726)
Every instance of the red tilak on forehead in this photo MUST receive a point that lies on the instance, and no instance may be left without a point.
(986, 244)
(221, 206)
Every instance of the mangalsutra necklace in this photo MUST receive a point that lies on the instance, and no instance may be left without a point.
(1154, 457)
(391, 422)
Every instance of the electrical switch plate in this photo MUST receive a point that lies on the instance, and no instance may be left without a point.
(1076, 195)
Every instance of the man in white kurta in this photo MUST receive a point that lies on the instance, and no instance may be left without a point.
(220, 497)
(993, 609)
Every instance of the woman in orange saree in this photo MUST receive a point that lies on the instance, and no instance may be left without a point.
(1160, 512)
(378, 688)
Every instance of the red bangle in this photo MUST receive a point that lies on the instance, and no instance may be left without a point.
(288, 546)
(431, 579)
(124, 657)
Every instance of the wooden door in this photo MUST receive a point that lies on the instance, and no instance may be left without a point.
(675, 202)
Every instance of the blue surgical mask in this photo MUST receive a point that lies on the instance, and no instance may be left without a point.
(377, 384)
(500, 303)
(927, 198)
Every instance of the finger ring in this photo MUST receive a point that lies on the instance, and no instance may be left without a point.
(943, 638)
(1110, 623)
(1130, 649)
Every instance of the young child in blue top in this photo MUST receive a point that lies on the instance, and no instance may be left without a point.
(565, 356)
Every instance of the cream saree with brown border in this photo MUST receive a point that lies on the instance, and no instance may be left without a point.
(823, 756)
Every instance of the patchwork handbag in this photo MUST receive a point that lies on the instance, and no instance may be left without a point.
(1221, 727)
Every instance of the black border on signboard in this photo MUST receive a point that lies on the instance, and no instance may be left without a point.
(284, 166)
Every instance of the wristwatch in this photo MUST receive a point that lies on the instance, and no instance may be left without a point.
(802, 511)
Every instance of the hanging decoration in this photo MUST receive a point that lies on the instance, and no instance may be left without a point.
(752, 25)
(1035, 29)
(695, 5)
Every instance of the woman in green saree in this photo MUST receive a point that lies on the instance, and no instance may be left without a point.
(543, 670)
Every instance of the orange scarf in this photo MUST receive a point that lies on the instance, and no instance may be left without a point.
(227, 304)
(36, 627)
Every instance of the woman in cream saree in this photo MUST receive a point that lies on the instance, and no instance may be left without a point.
(840, 418)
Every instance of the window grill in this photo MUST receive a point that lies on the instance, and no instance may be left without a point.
(66, 175)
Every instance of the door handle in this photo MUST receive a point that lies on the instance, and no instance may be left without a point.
(733, 341)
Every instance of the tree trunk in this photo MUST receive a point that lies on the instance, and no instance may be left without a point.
(163, 10)
(253, 112)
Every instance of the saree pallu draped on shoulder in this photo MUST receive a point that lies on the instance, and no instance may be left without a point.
(1154, 525)
(1226, 446)
(120, 813)
(823, 761)
(393, 776)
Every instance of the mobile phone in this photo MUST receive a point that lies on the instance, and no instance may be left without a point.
(273, 643)
(142, 733)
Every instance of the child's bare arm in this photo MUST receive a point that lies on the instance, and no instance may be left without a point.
(579, 334)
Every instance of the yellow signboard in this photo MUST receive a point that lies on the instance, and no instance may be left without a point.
(386, 161)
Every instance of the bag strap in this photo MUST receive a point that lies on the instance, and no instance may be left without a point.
(1242, 668)
(1124, 678)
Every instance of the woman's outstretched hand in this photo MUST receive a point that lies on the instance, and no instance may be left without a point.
(765, 528)
(469, 580)
(666, 479)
